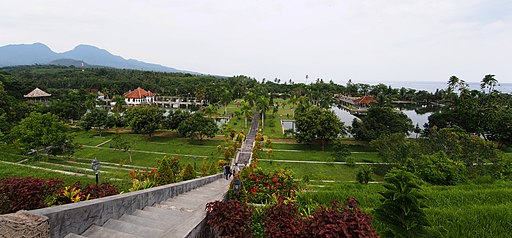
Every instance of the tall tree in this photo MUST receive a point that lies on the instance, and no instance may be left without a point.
(262, 103)
(95, 118)
(489, 82)
(246, 111)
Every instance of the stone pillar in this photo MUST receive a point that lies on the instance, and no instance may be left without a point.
(22, 224)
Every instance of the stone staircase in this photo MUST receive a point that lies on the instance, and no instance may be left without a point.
(174, 217)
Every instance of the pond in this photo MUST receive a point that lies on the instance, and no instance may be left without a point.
(221, 121)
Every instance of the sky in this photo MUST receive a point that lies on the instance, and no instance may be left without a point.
(362, 40)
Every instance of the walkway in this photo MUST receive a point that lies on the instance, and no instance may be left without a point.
(175, 217)
(245, 154)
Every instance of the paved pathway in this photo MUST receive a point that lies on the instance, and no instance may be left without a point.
(316, 162)
(174, 217)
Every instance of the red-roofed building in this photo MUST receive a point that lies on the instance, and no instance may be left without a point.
(139, 96)
(364, 101)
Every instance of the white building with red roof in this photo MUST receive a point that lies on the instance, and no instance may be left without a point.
(139, 96)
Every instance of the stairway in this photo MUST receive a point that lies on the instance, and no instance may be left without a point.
(175, 217)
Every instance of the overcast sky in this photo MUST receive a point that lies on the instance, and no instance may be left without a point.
(362, 40)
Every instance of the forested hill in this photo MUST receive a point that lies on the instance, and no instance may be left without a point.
(38, 53)
(22, 79)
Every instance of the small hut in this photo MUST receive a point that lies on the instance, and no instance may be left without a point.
(37, 95)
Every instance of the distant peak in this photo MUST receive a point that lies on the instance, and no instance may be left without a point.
(84, 46)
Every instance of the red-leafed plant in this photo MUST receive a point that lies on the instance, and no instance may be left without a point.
(345, 220)
(283, 220)
(99, 191)
(229, 218)
(26, 193)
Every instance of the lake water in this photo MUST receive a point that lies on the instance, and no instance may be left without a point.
(347, 118)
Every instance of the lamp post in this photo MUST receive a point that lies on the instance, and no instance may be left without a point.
(237, 185)
(96, 168)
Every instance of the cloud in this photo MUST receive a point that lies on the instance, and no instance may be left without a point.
(365, 40)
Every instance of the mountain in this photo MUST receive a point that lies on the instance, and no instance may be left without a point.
(38, 53)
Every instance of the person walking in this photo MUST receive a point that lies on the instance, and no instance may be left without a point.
(227, 171)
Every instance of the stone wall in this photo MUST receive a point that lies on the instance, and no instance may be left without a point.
(23, 224)
(77, 217)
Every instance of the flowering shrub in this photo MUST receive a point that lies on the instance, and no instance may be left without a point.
(229, 218)
(26, 193)
(261, 186)
(142, 180)
(77, 192)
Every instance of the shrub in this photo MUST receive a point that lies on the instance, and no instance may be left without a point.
(204, 167)
(364, 174)
(213, 168)
(439, 169)
(283, 220)
(98, 191)
(401, 211)
(26, 193)
(165, 172)
(261, 186)
(229, 218)
(189, 172)
(340, 221)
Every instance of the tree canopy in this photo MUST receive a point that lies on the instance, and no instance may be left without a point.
(144, 120)
(381, 121)
(198, 126)
(317, 124)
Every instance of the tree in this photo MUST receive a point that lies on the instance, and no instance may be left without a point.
(122, 144)
(95, 118)
(318, 124)
(198, 126)
(489, 82)
(39, 131)
(401, 211)
(263, 104)
(144, 120)
(340, 151)
(394, 148)
(380, 121)
(246, 111)
(174, 118)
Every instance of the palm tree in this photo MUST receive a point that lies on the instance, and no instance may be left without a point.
(293, 101)
(489, 82)
(262, 104)
(246, 110)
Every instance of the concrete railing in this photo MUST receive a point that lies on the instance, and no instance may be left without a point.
(77, 217)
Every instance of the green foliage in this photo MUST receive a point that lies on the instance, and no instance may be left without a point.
(213, 167)
(198, 126)
(121, 143)
(394, 148)
(364, 174)
(439, 169)
(189, 172)
(39, 131)
(144, 120)
(164, 172)
(315, 124)
(401, 211)
(204, 168)
(174, 118)
(340, 150)
(381, 121)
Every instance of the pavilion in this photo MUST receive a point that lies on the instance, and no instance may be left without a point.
(37, 95)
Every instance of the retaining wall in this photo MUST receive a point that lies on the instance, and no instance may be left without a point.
(77, 217)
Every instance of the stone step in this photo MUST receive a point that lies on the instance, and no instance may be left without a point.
(171, 215)
(138, 230)
(73, 235)
(154, 216)
(101, 232)
(152, 223)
